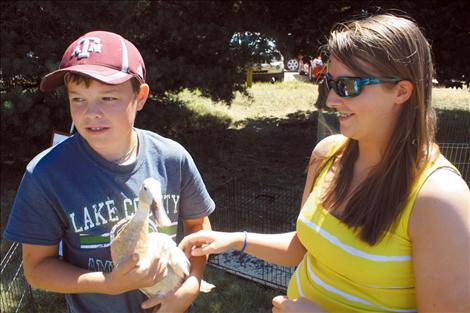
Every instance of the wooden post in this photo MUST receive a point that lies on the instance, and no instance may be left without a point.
(249, 77)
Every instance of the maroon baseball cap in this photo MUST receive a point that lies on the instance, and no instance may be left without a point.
(104, 56)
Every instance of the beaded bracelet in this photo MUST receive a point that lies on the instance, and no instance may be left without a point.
(244, 243)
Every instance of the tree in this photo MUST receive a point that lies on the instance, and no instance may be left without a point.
(185, 44)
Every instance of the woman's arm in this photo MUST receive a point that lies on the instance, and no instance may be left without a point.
(283, 249)
(440, 232)
(43, 269)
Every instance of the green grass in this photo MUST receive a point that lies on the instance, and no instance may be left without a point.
(451, 99)
(233, 294)
(266, 100)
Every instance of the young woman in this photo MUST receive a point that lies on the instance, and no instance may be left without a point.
(384, 225)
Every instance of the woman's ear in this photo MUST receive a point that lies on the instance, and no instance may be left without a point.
(142, 96)
(404, 90)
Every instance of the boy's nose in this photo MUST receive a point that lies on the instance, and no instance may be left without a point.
(94, 110)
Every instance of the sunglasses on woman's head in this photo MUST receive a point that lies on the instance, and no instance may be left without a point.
(348, 87)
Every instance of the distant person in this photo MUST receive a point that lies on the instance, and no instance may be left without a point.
(319, 68)
(384, 225)
(76, 191)
(306, 65)
(306, 59)
(317, 61)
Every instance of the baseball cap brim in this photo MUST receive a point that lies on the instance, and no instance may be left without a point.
(101, 73)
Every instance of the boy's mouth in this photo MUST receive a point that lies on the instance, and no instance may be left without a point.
(96, 129)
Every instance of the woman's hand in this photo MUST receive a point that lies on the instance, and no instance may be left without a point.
(282, 304)
(211, 242)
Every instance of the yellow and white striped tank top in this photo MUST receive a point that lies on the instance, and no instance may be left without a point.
(341, 273)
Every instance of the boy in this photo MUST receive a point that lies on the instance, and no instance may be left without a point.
(77, 191)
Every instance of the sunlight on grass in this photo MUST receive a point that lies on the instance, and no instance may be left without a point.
(453, 99)
(266, 100)
(194, 101)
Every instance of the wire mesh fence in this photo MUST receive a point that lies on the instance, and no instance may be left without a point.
(16, 294)
(459, 155)
(260, 208)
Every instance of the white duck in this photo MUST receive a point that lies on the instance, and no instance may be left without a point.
(134, 238)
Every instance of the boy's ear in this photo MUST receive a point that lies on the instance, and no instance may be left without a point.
(142, 96)
(404, 90)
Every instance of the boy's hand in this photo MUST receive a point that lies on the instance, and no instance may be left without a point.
(210, 242)
(177, 301)
(131, 274)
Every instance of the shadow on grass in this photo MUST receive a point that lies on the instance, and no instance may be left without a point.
(453, 126)
(233, 294)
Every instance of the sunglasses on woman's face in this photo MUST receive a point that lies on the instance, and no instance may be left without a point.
(348, 87)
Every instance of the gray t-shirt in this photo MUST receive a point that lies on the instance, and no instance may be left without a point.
(69, 193)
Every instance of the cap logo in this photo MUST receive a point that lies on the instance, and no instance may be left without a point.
(87, 45)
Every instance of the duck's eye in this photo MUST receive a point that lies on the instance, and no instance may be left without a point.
(145, 188)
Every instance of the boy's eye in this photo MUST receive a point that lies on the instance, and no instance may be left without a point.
(109, 99)
(77, 99)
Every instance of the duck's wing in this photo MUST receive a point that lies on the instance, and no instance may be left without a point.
(179, 262)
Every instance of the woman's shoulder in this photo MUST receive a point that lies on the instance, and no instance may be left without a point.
(443, 198)
(446, 186)
(327, 145)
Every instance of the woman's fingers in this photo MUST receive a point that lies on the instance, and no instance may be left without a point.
(198, 239)
(279, 300)
(204, 250)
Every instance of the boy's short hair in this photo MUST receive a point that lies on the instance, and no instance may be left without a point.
(77, 78)
(104, 56)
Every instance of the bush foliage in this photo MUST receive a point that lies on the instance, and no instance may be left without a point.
(185, 44)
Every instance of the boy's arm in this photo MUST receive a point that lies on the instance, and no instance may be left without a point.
(198, 264)
(43, 269)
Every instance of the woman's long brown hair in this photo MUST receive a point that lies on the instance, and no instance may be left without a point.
(391, 46)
